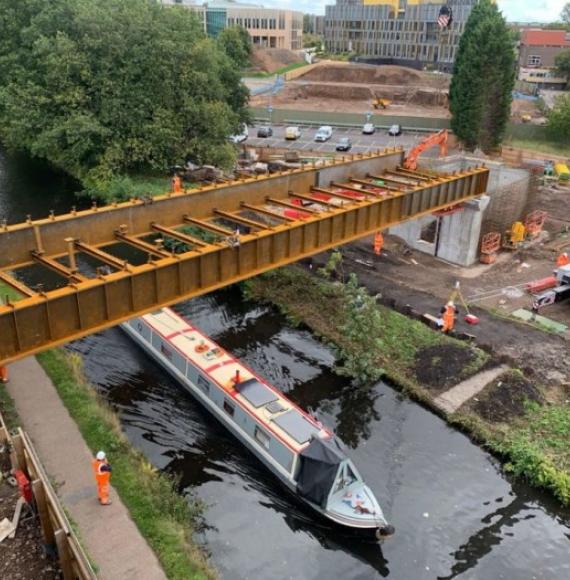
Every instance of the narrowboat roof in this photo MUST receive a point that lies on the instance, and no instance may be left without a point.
(290, 424)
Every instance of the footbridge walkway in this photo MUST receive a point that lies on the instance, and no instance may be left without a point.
(82, 272)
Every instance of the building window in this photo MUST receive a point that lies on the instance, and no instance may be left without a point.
(203, 384)
(262, 437)
(229, 408)
(534, 60)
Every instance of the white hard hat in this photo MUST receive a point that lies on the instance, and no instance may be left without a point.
(450, 303)
(101, 455)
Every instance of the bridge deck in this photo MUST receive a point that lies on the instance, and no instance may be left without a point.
(80, 273)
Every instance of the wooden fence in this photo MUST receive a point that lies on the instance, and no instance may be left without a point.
(56, 529)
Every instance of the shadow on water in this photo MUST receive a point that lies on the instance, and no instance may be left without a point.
(32, 187)
(475, 524)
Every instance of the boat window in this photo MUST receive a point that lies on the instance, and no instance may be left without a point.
(344, 478)
(350, 476)
(229, 408)
(203, 384)
(262, 437)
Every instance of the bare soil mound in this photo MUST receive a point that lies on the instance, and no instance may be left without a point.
(379, 75)
(442, 365)
(505, 397)
(272, 59)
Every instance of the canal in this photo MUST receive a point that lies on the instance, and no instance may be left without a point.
(456, 515)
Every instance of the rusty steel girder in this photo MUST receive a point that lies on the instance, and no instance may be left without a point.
(41, 320)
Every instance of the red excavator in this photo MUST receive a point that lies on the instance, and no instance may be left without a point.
(440, 138)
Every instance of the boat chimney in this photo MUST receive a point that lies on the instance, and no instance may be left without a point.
(237, 378)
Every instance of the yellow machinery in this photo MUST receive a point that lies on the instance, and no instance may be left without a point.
(379, 103)
(514, 236)
(562, 172)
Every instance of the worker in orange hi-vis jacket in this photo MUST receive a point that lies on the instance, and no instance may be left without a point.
(102, 471)
(562, 260)
(3, 374)
(378, 243)
(449, 312)
(176, 184)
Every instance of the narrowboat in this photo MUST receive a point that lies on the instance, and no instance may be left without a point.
(305, 456)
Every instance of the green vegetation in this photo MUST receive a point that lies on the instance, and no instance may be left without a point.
(8, 409)
(559, 121)
(371, 340)
(9, 293)
(483, 79)
(562, 63)
(541, 145)
(281, 71)
(507, 417)
(236, 43)
(165, 518)
(115, 87)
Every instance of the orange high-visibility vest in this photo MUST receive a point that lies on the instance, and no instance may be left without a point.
(562, 260)
(378, 242)
(448, 318)
(3, 374)
(102, 477)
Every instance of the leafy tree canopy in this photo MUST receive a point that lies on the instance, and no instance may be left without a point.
(483, 79)
(562, 63)
(114, 86)
(565, 14)
(559, 120)
(236, 43)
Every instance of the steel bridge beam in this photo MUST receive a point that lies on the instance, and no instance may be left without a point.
(88, 305)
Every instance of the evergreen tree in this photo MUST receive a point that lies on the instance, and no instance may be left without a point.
(483, 79)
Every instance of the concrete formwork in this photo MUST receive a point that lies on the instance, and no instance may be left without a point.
(456, 237)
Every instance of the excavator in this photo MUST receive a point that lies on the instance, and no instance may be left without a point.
(440, 138)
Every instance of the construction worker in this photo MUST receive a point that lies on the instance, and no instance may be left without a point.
(562, 260)
(448, 316)
(3, 374)
(378, 243)
(176, 184)
(102, 471)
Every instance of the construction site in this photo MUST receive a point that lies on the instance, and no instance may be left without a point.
(351, 87)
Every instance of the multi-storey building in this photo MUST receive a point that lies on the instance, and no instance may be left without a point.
(538, 50)
(268, 27)
(404, 32)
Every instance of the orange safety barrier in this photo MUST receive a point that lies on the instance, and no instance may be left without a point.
(490, 246)
(534, 222)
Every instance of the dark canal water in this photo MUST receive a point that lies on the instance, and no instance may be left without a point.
(455, 514)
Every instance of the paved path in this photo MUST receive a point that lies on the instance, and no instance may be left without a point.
(451, 400)
(110, 536)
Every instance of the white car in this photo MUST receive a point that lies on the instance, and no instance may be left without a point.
(368, 129)
(292, 133)
(324, 133)
(240, 137)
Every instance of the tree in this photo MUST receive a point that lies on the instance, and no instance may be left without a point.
(236, 43)
(565, 14)
(559, 120)
(562, 64)
(102, 89)
(483, 79)
(307, 28)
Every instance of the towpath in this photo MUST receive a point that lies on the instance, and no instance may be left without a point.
(108, 533)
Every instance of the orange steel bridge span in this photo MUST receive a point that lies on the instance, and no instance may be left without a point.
(119, 261)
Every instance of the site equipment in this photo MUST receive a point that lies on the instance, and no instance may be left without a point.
(490, 246)
(562, 172)
(379, 103)
(557, 294)
(440, 138)
(534, 221)
(513, 237)
(456, 293)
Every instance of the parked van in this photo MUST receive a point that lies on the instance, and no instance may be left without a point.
(292, 133)
(324, 133)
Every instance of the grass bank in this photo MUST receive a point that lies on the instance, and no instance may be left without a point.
(512, 417)
(542, 146)
(164, 517)
(280, 71)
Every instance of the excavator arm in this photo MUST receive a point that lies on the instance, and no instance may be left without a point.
(440, 138)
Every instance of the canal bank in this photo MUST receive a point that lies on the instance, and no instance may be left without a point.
(522, 422)
(455, 512)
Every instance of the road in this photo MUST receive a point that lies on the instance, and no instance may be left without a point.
(360, 143)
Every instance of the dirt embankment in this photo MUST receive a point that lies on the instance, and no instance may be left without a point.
(272, 59)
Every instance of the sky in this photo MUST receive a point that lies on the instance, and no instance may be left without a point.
(514, 10)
